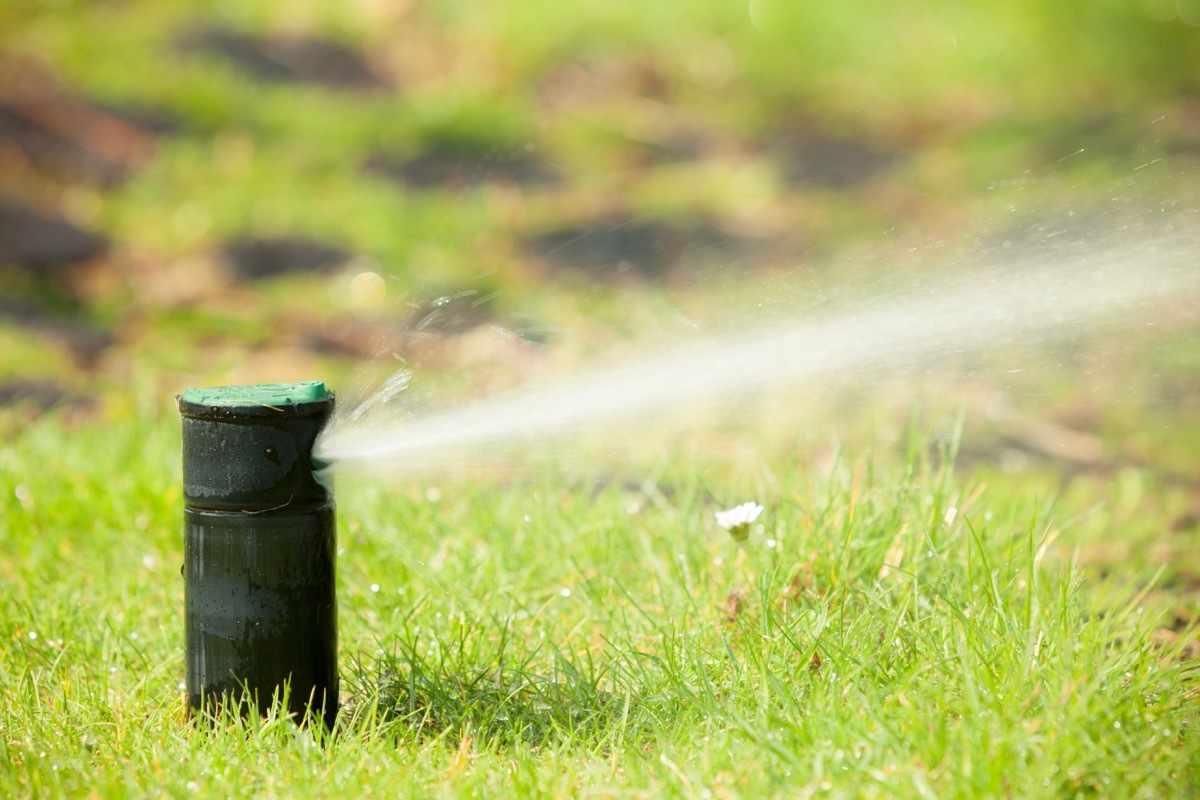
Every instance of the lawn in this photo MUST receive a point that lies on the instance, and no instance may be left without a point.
(888, 628)
(976, 572)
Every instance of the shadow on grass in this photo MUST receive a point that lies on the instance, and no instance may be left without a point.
(480, 680)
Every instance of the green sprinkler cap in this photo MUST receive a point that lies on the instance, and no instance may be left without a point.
(250, 447)
(262, 394)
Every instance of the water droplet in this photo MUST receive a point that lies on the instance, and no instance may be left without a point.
(368, 292)
(190, 221)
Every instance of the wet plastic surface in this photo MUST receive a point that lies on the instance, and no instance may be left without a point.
(259, 558)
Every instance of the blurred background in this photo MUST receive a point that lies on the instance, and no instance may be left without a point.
(196, 193)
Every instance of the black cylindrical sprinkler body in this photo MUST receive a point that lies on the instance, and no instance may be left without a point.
(259, 549)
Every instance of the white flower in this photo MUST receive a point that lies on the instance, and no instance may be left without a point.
(737, 519)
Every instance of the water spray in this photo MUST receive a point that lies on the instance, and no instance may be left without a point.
(259, 550)
(1024, 299)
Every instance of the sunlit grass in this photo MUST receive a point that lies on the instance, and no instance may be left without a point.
(887, 629)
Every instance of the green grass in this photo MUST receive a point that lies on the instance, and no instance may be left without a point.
(926, 607)
(944, 88)
(888, 630)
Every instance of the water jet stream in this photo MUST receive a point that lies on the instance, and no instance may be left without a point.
(1038, 296)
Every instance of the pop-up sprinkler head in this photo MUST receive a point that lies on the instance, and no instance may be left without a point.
(259, 549)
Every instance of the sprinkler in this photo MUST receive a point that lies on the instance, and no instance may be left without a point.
(259, 550)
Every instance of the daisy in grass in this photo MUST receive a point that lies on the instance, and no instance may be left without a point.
(737, 519)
